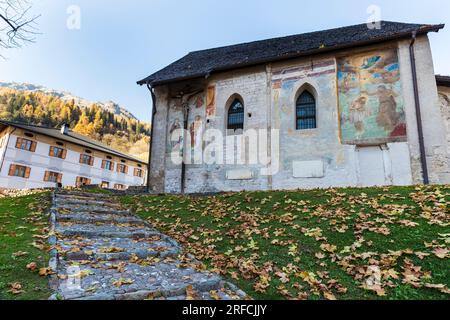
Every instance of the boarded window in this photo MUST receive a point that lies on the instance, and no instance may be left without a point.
(306, 111)
(121, 168)
(82, 181)
(118, 186)
(57, 152)
(54, 177)
(25, 144)
(107, 165)
(86, 159)
(138, 172)
(19, 171)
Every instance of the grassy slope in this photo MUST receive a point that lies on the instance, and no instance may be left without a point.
(316, 244)
(23, 222)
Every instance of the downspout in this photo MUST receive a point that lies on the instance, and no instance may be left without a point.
(186, 110)
(151, 136)
(423, 157)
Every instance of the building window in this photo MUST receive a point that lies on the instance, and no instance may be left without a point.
(107, 165)
(19, 171)
(54, 177)
(25, 144)
(138, 172)
(105, 185)
(306, 111)
(118, 186)
(236, 116)
(121, 168)
(86, 159)
(57, 152)
(82, 181)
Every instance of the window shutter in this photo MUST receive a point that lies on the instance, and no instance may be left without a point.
(88, 182)
(27, 172)
(112, 166)
(135, 172)
(64, 154)
(59, 180)
(12, 168)
(33, 146)
(126, 169)
(91, 163)
(81, 158)
(19, 143)
(103, 164)
(47, 175)
(78, 182)
(52, 151)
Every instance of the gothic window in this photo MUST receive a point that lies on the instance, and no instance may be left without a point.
(236, 116)
(306, 111)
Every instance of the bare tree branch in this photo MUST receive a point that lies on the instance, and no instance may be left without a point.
(17, 24)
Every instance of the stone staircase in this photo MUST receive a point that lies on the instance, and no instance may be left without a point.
(104, 252)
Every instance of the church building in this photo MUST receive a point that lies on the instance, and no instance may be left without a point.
(346, 107)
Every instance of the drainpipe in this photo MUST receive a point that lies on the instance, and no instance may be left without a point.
(423, 157)
(151, 135)
(186, 110)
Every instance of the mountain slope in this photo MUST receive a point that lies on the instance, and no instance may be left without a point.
(109, 106)
(106, 122)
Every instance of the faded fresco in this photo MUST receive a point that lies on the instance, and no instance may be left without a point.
(370, 100)
(211, 102)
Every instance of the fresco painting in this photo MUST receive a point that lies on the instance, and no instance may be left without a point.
(211, 102)
(370, 102)
(177, 145)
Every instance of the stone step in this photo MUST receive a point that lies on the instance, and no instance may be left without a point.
(88, 202)
(122, 249)
(63, 208)
(159, 280)
(83, 218)
(81, 194)
(104, 231)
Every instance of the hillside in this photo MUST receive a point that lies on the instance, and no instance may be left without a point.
(110, 106)
(346, 244)
(106, 122)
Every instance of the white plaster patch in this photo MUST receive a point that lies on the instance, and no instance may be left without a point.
(308, 169)
(240, 174)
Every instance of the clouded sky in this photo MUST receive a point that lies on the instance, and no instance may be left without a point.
(122, 41)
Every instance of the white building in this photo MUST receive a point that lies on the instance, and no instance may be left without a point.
(37, 157)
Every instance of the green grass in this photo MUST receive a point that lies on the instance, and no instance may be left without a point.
(23, 228)
(280, 245)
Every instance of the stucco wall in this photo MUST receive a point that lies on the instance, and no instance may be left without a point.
(40, 162)
(444, 99)
(308, 158)
(432, 118)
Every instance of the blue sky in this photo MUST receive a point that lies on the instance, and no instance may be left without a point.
(122, 41)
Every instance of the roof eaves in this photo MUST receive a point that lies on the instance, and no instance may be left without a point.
(443, 81)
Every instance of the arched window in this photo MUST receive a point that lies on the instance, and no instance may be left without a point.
(236, 116)
(306, 111)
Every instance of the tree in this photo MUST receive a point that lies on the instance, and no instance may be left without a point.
(17, 24)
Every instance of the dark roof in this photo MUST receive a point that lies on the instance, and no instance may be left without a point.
(202, 63)
(72, 137)
(443, 81)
